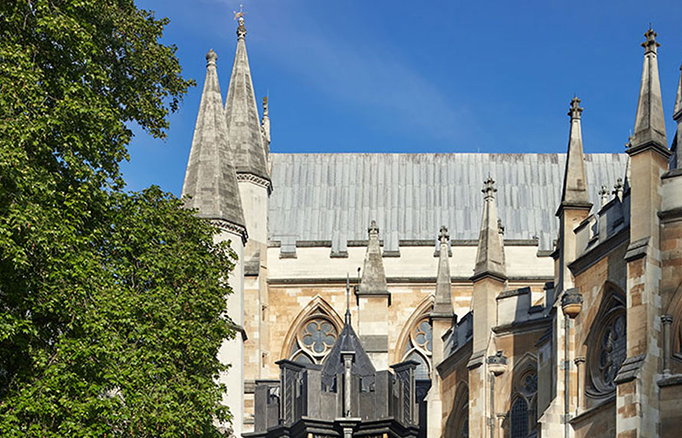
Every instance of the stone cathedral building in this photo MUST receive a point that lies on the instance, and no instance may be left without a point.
(447, 295)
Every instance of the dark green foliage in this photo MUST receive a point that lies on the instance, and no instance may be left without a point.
(111, 303)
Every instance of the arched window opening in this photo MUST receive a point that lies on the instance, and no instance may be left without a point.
(523, 413)
(607, 347)
(419, 347)
(519, 418)
(314, 337)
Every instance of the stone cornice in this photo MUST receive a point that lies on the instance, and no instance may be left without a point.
(255, 179)
(229, 227)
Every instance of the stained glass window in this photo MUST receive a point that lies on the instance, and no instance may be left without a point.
(419, 347)
(519, 418)
(607, 352)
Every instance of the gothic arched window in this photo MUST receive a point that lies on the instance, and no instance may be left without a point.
(419, 346)
(524, 406)
(314, 337)
(607, 347)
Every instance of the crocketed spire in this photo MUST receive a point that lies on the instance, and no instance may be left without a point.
(490, 254)
(677, 116)
(649, 123)
(243, 125)
(373, 279)
(210, 180)
(574, 193)
(442, 306)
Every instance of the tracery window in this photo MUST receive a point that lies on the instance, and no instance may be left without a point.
(607, 348)
(524, 407)
(315, 338)
(419, 347)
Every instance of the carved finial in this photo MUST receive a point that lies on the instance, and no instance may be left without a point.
(443, 237)
(500, 227)
(628, 144)
(489, 188)
(211, 58)
(604, 195)
(265, 106)
(650, 45)
(239, 16)
(373, 229)
(575, 109)
(618, 188)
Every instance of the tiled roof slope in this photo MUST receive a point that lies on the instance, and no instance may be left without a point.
(335, 196)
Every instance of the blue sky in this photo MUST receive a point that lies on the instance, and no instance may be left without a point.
(420, 76)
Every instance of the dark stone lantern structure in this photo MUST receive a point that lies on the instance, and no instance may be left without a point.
(346, 397)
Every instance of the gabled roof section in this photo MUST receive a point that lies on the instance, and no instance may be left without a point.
(210, 179)
(650, 123)
(574, 193)
(442, 306)
(490, 254)
(373, 279)
(243, 125)
(348, 342)
(332, 197)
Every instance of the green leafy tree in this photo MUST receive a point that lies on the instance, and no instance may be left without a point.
(111, 304)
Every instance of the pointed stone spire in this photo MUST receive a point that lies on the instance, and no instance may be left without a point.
(241, 112)
(677, 116)
(650, 123)
(348, 343)
(574, 193)
(677, 113)
(210, 179)
(490, 254)
(373, 279)
(442, 306)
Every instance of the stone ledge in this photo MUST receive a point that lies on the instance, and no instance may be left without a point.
(637, 249)
(630, 368)
(672, 380)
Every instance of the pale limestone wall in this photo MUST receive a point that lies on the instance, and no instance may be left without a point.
(232, 351)
(671, 407)
(599, 422)
(255, 207)
(414, 262)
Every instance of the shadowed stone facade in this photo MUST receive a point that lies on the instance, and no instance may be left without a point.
(547, 305)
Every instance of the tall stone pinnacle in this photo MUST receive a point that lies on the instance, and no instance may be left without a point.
(373, 279)
(677, 113)
(490, 254)
(442, 306)
(677, 116)
(574, 192)
(649, 123)
(241, 112)
(210, 179)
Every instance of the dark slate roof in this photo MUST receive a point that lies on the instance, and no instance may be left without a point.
(362, 365)
(210, 179)
(334, 197)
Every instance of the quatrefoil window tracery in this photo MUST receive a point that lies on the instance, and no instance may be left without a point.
(318, 336)
(314, 339)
